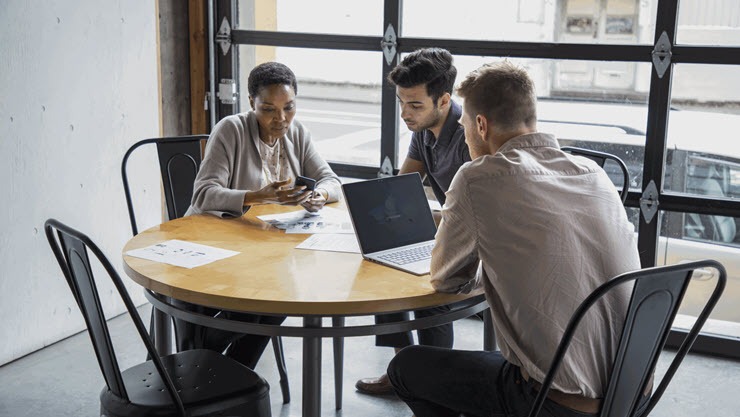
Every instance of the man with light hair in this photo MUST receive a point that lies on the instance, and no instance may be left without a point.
(539, 230)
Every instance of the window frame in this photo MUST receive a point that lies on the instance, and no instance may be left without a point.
(659, 99)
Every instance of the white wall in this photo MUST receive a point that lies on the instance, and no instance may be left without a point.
(78, 86)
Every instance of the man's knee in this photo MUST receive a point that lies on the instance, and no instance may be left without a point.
(404, 364)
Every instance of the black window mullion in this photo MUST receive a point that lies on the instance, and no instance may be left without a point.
(305, 40)
(657, 126)
(586, 52)
(701, 205)
(226, 64)
(389, 107)
(705, 55)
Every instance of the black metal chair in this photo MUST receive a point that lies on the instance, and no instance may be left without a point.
(656, 297)
(179, 161)
(193, 383)
(601, 158)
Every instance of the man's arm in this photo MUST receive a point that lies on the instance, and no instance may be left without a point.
(413, 165)
(455, 255)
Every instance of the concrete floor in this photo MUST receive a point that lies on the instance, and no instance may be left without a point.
(64, 379)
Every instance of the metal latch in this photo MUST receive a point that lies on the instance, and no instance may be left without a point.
(386, 168)
(662, 55)
(649, 202)
(223, 37)
(388, 44)
(227, 91)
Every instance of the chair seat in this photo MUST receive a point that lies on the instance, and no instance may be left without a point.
(203, 378)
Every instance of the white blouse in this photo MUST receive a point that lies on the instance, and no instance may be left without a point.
(275, 166)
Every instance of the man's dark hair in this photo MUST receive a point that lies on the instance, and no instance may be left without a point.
(503, 93)
(270, 73)
(430, 66)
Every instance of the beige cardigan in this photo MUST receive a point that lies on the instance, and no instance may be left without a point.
(232, 165)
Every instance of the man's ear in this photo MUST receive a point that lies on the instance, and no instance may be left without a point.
(444, 100)
(481, 126)
(251, 102)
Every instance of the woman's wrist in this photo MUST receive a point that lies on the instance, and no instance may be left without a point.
(251, 198)
(323, 193)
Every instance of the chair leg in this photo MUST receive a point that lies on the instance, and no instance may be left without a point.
(151, 332)
(277, 347)
(338, 362)
(489, 334)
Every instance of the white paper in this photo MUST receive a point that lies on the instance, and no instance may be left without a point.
(181, 253)
(331, 243)
(327, 220)
(321, 226)
(284, 219)
(434, 205)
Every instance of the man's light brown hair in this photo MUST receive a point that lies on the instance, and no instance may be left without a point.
(503, 93)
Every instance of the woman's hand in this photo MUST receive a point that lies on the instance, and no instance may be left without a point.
(276, 193)
(314, 203)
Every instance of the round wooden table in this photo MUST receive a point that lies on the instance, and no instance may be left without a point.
(270, 276)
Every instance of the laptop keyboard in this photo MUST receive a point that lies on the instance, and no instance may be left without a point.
(410, 255)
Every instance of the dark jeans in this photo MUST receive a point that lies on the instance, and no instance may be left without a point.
(440, 336)
(244, 348)
(443, 382)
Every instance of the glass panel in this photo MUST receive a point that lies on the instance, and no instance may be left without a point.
(338, 97)
(586, 113)
(709, 22)
(568, 21)
(316, 16)
(703, 156)
(690, 236)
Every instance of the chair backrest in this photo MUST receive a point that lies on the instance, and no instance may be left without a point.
(601, 158)
(70, 248)
(656, 297)
(179, 161)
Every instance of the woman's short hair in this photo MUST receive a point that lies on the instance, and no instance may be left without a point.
(503, 93)
(430, 66)
(270, 73)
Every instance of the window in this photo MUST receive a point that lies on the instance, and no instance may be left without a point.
(596, 80)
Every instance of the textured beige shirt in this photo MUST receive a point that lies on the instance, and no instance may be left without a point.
(547, 228)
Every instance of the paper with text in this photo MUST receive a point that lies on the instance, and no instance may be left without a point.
(328, 220)
(181, 253)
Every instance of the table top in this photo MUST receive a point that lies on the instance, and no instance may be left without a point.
(270, 276)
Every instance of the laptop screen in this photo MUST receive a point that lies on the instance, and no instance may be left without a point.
(389, 212)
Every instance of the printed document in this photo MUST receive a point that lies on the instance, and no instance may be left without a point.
(181, 253)
(328, 220)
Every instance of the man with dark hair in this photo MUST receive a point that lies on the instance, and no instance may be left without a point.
(424, 81)
(539, 230)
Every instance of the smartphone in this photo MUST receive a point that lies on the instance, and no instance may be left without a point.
(310, 183)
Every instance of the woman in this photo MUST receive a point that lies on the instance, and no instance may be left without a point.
(253, 158)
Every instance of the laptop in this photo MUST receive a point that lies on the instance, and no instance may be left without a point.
(393, 221)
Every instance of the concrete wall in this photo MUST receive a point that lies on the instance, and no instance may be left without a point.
(174, 59)
(78, 86)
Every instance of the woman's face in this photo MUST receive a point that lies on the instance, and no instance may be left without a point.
(275, 108)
